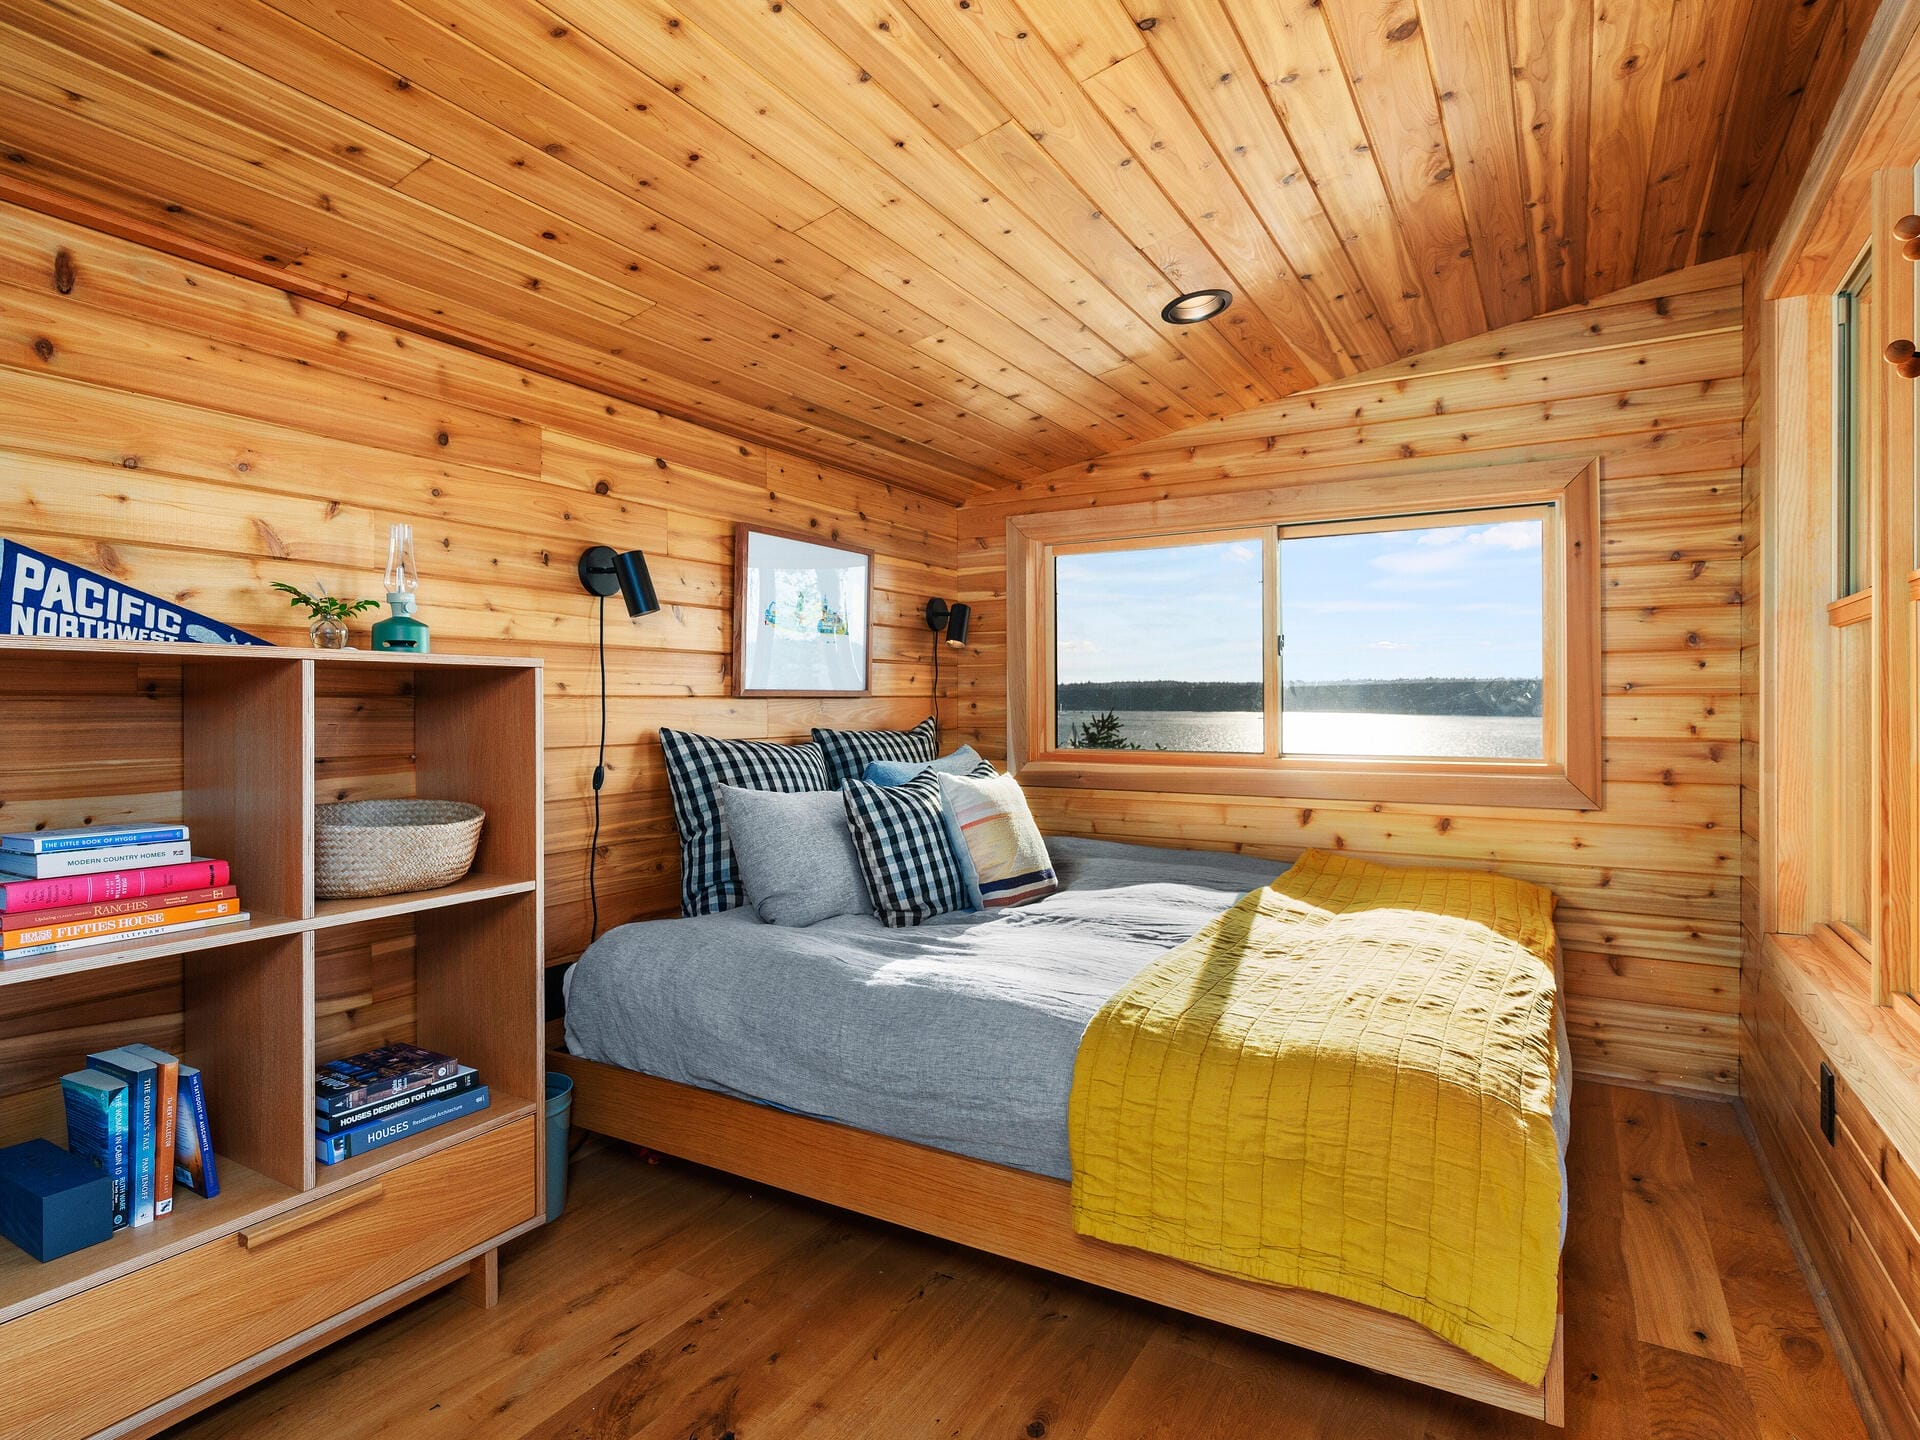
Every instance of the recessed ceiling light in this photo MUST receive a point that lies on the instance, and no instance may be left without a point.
(1195, 306)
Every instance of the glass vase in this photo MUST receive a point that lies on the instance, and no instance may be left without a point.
(328, 634)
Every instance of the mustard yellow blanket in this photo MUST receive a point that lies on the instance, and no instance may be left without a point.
(1344, 1083)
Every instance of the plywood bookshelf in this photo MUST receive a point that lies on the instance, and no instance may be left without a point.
(238, 743)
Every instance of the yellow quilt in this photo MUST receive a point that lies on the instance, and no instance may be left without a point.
(1344, 1083)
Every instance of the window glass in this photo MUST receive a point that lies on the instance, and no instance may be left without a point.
(1850, 847)
(1853, 415)
(1161, 648)
(1414, 642)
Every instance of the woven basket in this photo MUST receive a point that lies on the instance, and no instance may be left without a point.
(387, 847)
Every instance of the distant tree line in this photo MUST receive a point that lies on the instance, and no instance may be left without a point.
(1433, 695)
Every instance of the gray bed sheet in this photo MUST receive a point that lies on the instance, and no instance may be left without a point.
(959, 1034)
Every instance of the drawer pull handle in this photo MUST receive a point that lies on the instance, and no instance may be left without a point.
(256, 1237)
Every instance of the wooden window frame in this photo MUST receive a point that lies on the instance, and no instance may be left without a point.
(1568, 777)
(1801, 623)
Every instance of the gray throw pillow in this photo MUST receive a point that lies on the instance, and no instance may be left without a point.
(794, 854)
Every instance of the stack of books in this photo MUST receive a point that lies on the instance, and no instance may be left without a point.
(65, 889)
(141, 1116)
(379, 1096)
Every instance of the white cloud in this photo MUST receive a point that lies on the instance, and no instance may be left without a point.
(1458, 547)
(1509, 535)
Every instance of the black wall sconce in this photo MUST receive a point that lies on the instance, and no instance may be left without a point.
(605, 571)
(954, 619)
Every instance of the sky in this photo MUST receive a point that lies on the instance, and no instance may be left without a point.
(1457, 600)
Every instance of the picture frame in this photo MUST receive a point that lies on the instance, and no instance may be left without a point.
(802, 615)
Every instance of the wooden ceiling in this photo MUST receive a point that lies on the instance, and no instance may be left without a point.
(929, 240)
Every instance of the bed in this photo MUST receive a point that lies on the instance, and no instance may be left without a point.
(923, 1076)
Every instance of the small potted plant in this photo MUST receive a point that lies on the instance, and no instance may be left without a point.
(329, 625)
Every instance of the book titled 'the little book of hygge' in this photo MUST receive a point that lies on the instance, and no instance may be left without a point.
(90, 837)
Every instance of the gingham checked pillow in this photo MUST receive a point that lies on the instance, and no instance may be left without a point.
(904, 853)
(849, 752)
(709, 883)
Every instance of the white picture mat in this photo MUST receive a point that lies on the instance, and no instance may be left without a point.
(804, 620)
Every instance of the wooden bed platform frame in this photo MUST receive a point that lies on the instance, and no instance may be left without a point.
(1023, 1217)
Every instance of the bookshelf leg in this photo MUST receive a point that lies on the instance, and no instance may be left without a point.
(481, 1286)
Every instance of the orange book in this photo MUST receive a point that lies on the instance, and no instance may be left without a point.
(114, 925)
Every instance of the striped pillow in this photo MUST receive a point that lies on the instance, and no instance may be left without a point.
(1002, 858)
(709, 880)
(849, 752)
(904, 852)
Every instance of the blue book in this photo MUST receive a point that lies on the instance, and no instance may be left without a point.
(88, 837)
(143, 1119)
(193, 1158)
(463, 1079)
(98, 1131)
(332, 1149)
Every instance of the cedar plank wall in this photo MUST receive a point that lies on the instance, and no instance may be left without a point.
(1757, 353)
(200, 436)
(1650, 380)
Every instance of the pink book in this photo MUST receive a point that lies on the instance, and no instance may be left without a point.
(111, 885)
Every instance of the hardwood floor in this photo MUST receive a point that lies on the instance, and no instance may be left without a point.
(674, 1304)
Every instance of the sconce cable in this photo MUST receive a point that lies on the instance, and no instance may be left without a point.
(599, 779)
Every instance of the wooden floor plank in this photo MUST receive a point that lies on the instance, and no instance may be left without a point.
(1677, 1300)
(1785, 1352)
(670, 1303)
(1604, 1396)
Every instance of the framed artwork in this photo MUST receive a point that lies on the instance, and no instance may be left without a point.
(800, 615)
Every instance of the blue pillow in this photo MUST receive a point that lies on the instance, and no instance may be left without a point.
(963, 761)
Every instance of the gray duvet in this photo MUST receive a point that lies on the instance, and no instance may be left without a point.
(959, 1034)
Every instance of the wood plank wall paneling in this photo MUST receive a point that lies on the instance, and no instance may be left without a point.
(200, 436)
(1651, 381)
(1757, 360)
(1855, 1198)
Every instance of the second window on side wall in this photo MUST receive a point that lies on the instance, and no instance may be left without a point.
(1412, 638)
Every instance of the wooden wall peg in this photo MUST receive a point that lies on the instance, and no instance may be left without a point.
(1907, 227)
(1902, 356)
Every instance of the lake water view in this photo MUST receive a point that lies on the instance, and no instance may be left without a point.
(1311, 732)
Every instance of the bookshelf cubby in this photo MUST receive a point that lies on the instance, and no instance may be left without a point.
(240, 743)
